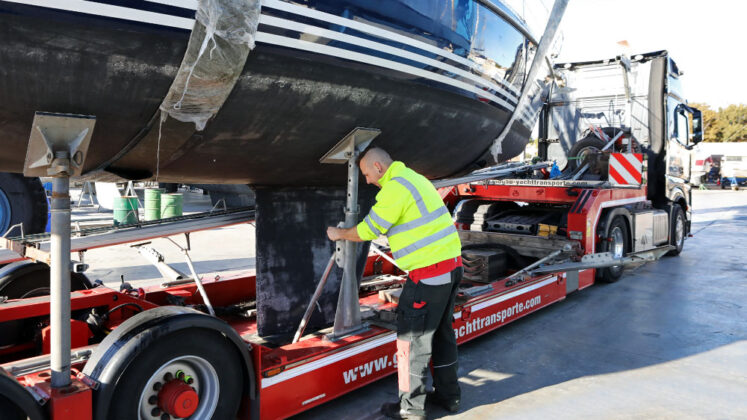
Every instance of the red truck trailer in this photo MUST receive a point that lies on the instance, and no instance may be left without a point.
(192, 350)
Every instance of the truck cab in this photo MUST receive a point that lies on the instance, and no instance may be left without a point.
(642, 98)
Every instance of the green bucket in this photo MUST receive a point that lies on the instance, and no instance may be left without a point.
(171, 205)
(153, 203)
(125, 210)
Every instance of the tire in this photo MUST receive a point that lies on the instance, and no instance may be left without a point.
(619, 246)
(25, 279)
(16, 403)
(581, 148)
(677, 231)
(22, 200)
(204, 354)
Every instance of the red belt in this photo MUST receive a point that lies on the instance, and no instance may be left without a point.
(436, 269)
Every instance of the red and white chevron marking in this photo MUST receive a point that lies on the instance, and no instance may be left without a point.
(626, 168)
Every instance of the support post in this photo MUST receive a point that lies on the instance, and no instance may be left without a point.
(348, 314)
(60, 276)
(57, 147)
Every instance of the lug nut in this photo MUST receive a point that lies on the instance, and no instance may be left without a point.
(155, 412)
(157, 386)
(180, 375)
(190, 380)
(167, 377)
(165, 417)
(153, 400)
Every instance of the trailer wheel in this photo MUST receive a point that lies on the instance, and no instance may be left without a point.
(677, 231)
(26, 279)
(16, 403)
(190, 373)
(22, 200)
(616, 243)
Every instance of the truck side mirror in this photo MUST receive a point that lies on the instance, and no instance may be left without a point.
(697, 136)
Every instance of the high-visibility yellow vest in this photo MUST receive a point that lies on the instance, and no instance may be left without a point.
(410, 212)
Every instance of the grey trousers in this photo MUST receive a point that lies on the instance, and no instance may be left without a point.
(424, 332)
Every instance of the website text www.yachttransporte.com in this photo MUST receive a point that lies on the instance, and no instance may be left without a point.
(477, 324)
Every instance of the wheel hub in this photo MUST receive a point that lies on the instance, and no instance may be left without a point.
(178, 399)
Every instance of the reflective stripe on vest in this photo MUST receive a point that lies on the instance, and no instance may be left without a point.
(448, 230)
(420, 221)
(425, 218)
(371, 226)
(415, 194)
(379, 221)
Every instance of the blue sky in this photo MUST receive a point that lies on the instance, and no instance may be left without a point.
(707, 39)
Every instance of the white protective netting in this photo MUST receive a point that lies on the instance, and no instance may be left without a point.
(222, 37)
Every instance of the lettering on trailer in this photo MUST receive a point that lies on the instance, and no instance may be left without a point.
(543, 182)
(478, 324)
(368, 368)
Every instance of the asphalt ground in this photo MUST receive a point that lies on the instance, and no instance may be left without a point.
(669, 340)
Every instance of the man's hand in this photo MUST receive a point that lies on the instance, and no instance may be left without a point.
(338, 234)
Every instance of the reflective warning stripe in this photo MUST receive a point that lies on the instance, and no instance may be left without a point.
(379, 220)
(371, 226)
(415, 194)
(448, 230)
(626, 168)
(420, 221)
(438, 280)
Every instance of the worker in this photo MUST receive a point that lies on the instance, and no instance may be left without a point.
(423, 241)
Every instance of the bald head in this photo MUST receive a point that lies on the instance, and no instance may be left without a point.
(374, 162)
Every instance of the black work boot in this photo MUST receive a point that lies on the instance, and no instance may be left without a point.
(393, 411)
(450, 405)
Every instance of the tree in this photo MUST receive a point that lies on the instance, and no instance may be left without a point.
(725, 125)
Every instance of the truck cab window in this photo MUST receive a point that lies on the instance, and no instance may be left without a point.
(683, 127)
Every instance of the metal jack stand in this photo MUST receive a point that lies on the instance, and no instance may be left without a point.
(348, 314)
(57, 148)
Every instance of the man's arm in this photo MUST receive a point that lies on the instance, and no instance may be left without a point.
(349, 234)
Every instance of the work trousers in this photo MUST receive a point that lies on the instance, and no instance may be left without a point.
(424, 330)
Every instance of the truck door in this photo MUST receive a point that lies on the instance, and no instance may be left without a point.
(678, 156)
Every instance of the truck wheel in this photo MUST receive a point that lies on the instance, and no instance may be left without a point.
(677, 231)
(617, 244)
(190, 373)
(22, 200)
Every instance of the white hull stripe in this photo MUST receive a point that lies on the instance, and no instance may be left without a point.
(326, 361)
(376, 31)
(184, 4)
(376, 61)
(125, 13)
(376, 46)
(116, 12)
